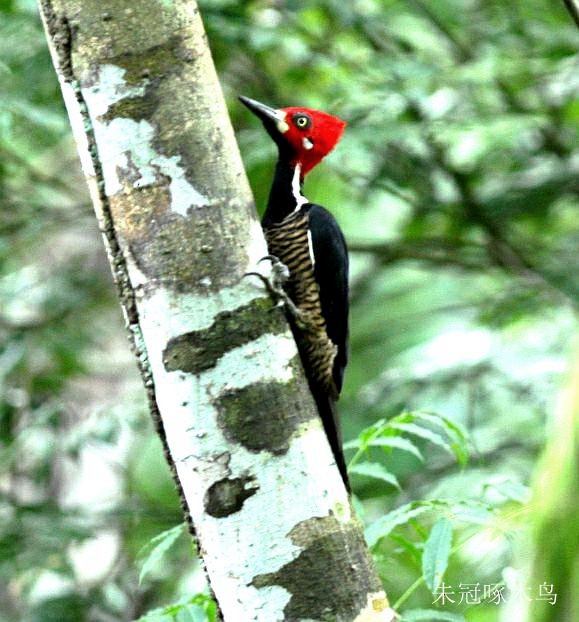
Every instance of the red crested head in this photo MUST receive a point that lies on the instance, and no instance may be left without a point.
(312, 135)
(306, 136)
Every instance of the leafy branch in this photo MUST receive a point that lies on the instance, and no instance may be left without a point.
(394, 433)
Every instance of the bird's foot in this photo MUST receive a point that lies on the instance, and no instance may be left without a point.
(279, 276)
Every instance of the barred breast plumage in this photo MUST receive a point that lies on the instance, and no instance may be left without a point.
(288, 241)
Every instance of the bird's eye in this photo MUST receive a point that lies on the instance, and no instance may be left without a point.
(302, 121)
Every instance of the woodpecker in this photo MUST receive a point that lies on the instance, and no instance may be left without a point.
(306, 238)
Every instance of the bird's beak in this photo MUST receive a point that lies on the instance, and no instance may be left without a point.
(266, 114)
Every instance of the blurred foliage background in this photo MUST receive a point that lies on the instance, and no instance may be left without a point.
(456, 184)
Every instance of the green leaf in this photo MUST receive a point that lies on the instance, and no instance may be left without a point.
(459, 445)
(425, 433)
(472, 512)
(199, 608)
(397, 442)
(431, 615)
(375, 470)
(412, 551)
(436, 553)
(366, 435)
(157, 547)
(385, 524)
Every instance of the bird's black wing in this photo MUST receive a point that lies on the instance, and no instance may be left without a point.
(331, 272)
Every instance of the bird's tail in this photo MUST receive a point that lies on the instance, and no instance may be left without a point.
(327, 408)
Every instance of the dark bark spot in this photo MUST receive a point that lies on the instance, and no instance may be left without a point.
(200, 350)
(228, 495)
(167, 246)
(159, 60)
(135, 108)
(147, 69)
(240, 415)
(330, 578)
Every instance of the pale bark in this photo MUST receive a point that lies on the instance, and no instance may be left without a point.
(273, 520)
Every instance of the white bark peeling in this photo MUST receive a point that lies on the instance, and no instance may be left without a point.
(127, 144)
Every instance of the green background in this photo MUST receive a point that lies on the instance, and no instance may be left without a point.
(456, 185)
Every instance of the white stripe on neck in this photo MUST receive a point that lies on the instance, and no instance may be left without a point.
(311, 249)
(296, 188)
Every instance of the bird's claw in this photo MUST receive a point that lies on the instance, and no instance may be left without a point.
(279, 276)
(280, 272)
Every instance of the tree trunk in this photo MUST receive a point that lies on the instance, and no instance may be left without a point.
(221, 369)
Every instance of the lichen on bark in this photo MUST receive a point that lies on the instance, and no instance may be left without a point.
(238, 414)
(199, 350)
(330, 554)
